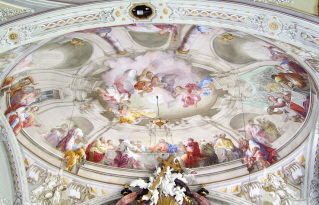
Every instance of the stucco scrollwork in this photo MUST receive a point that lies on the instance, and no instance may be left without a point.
(2, 41)
(77, 192)
(177, 12)
(106, 15)
(278, 189)
(49, 192)
(7, 13)
(19, 33)
(290, 30)
(36, 174)
(294, 173)
(268, 24)
(252, 191)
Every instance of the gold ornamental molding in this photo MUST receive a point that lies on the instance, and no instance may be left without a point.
(273, 26)
(247, 18)
(13, 36)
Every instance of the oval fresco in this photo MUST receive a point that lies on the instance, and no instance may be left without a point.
(113, 97)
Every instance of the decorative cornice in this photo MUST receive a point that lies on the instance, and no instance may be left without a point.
(8, 12)
(244, 17)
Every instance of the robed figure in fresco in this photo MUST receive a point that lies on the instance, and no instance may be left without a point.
(259, 152)
(67, 142)
(256, 133)
(13, 86)
(55, 134)
(192, 153)
(163, 146)
(125, 156)
(22, 117)
(95, 152)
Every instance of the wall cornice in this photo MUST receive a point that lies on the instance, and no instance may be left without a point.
(290, 27)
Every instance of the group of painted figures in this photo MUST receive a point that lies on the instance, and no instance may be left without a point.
(21, 115)
(129, 154)
(22, 94)
(118, 94)
(290, 88)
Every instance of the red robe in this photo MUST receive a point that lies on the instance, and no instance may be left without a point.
(13, 107)
(192, 153)
(95, 156)
(28, 122)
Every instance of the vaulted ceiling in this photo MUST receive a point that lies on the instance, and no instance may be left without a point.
(201, 69)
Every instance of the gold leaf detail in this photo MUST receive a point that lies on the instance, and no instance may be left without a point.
(273, 26)
(166, 200)
(13, 36)
(204, 13)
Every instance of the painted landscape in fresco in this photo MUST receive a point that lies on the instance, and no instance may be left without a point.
(121, 96)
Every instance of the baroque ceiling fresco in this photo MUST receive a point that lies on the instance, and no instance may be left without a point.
(182, 103)
(158, 87)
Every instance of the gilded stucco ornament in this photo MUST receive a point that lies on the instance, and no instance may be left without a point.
(276, 27)
(19, 33)
(294, 173)
(252, 191)
(267, 24)
(36, 174)
(278, 188)
(77, 192)
(49, 192)
(277, 184)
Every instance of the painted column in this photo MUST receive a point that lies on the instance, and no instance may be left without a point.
(188, 40)
(115, 43)
(106, 34)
